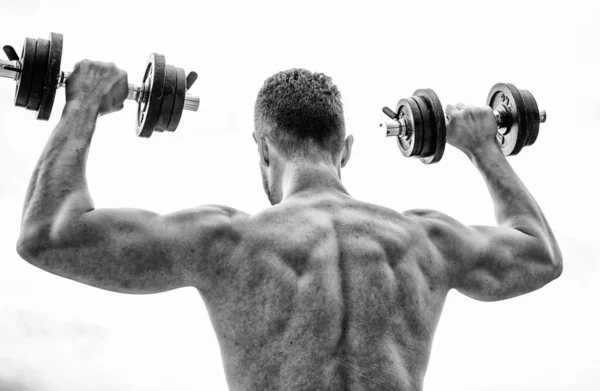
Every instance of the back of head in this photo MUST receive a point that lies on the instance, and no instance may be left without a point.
(298, 110)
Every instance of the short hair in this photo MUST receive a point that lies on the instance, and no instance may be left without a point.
(298, 105)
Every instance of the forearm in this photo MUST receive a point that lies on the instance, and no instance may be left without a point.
(514, 206)
(58, 187)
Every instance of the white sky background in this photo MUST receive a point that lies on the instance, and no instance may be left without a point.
(56, 334)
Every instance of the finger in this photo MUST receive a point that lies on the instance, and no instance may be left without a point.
(124, 92)
(450, 109)
(124, 83)
(460, 106)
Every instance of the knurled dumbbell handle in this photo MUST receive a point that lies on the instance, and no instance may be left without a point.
(140, 93)
(400, 126)
(12, 70)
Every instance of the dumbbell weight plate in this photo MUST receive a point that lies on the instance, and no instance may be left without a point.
(410, 144)
(179, 100)
(505, 96)
(428, 127)
(40, 67)
(533, 118)
(419, 130)
(149, 111)
(528, 116)
(168, 97)
(439, 119)
(52, 72)
(24, 79)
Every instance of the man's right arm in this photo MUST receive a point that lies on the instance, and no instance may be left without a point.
(494, 263)
(122, 250)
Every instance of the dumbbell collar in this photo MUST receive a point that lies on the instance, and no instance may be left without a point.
(9, 69)
(399, 127)
(396, 128)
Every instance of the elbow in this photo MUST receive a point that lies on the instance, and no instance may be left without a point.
(554, 264)
(547, 258)
(31, 245)
(557, 265)
(28, 249)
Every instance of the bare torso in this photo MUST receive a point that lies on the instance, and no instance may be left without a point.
(319, 292)
(326, 292)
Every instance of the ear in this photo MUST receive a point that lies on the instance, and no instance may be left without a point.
(347, 151)
(263, 148)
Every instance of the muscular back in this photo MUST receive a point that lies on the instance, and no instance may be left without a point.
(318, 292)
(326, 292)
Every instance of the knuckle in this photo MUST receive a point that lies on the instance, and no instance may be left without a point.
(487, 110)
(483, 111)
(82, 64)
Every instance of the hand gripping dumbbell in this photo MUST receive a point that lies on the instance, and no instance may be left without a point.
(162, 97)
(419, 122)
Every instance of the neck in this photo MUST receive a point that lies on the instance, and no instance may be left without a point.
(302, 177)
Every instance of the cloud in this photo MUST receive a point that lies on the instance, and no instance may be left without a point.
(34, 344)
(15, 385)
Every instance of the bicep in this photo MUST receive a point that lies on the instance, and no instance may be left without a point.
(487, 263)
(136, 251)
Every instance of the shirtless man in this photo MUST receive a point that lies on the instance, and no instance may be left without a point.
(318, 292)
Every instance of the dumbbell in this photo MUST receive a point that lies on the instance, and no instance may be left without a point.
(419, 122)
(161, 98)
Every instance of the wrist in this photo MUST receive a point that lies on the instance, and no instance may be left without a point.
(485, 152)
(81, 108)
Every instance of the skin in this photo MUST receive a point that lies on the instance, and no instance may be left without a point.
(319, 291)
